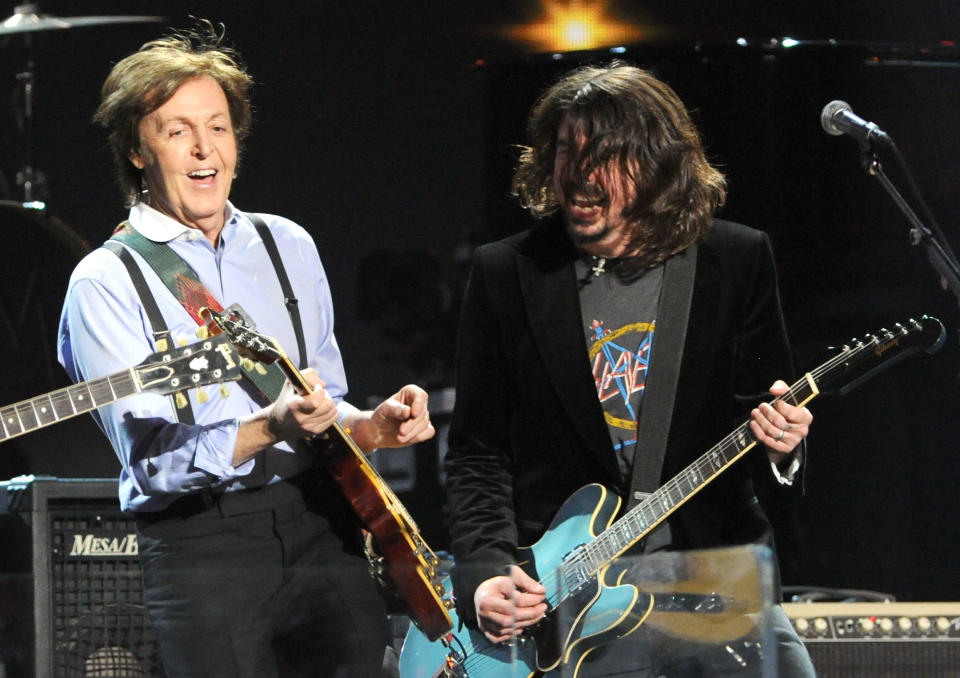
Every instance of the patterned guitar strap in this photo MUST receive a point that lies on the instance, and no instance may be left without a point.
(185, 285)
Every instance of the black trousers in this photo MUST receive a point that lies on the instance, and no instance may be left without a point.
(262, 583)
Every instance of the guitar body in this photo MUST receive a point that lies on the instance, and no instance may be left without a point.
(410, 564)
(599, 611)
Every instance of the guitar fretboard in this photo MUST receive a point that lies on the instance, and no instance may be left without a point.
(29, 415)
(637, 523)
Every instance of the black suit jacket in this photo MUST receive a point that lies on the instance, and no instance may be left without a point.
(528, 429)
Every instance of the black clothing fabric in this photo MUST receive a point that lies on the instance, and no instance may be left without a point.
(288, 591)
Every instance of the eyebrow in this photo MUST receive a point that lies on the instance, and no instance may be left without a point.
(164, 122)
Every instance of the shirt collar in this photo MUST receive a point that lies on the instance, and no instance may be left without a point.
(157, 226)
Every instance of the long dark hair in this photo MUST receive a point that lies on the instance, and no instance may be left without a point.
(623, 118)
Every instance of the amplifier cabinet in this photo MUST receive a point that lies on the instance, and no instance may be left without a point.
(79, 565)
(880, 640)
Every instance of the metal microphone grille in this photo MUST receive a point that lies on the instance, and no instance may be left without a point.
(826, 116)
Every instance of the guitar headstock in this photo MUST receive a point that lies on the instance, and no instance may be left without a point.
(251, 343)
(211, 361)
(861, 359)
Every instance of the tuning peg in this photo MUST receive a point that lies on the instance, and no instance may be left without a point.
(224, 391)
(201, 396)
(203, 332)
(247, 364)
(181, 400)
(260, 368)
(162, 345)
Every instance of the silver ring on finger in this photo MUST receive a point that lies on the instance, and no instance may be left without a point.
(780, 437)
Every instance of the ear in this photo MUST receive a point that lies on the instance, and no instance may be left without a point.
(136, 160)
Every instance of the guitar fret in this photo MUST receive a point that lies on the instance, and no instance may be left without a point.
(100, 391)
(84, 397)
(60, 402)
(3, 423)
(19, 419)
(46, 413)
(639, 525)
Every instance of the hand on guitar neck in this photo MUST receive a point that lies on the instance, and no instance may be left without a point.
(292, 416)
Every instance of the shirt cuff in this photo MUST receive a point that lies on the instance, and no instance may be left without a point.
(215, 452)
(344, 408)
(788, 475)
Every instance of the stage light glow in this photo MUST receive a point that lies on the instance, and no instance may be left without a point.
(568, 25)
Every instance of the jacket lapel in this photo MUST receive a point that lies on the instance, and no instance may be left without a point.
(549, 288)
(661, 383)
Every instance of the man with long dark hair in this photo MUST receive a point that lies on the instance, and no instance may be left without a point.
(561, 326)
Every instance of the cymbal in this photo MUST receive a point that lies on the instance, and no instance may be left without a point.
(37, 214)
(26, 20)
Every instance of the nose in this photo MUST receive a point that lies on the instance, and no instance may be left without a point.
(203, 146)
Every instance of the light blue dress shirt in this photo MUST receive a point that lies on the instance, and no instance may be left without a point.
(105, 329)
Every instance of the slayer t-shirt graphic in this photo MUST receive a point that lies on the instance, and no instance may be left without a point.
(620, 322)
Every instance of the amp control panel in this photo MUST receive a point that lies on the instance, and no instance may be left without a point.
(825, 622)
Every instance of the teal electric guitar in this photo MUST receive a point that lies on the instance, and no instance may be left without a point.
(576, 559)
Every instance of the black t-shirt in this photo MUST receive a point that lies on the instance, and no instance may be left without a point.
(619, 321)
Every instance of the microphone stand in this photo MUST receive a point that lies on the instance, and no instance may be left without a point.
(938, 250)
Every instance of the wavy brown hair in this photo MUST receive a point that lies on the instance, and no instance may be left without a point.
(142, 82)
(621, 117)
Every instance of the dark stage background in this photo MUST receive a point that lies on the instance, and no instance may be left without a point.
(386, 130)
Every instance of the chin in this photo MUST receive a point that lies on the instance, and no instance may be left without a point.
(584, 235)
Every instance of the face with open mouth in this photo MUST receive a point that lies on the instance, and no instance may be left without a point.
(188, 153)
(594, 221)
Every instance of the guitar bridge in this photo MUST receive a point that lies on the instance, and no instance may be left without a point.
(574, 572)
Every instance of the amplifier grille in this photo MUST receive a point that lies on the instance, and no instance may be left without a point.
(886, 659)
(98, 620)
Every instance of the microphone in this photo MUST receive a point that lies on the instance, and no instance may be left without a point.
(838, 118)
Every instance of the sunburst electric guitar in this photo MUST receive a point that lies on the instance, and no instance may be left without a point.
(577, 556)
(166, 372)
(408, 565)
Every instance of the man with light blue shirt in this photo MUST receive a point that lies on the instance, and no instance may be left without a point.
(252, 560)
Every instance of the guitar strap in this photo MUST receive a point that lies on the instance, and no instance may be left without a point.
(661, 386)
(185, 285)
(161, 334)
(289, 300)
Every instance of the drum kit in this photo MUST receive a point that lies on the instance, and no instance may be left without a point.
(40, 249)
(24, 23)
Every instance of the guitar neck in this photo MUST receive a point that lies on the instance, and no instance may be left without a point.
(35, 413)
(642, 518)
